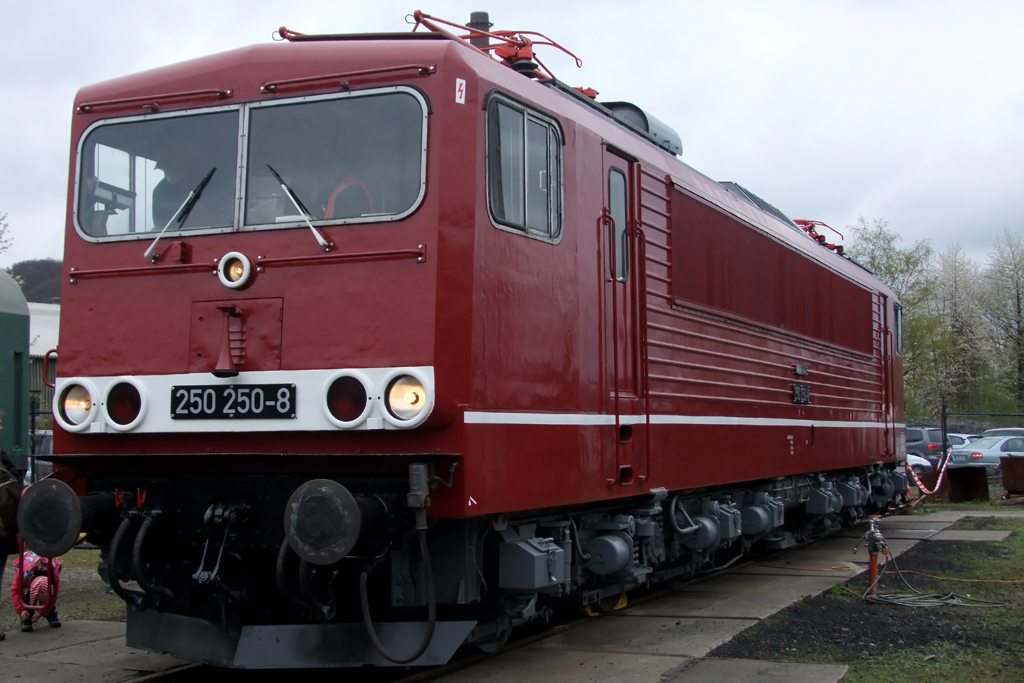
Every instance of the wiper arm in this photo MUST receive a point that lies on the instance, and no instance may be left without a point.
(183, 211)
(301, 209)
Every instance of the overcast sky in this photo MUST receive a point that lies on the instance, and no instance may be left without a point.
(910, 111)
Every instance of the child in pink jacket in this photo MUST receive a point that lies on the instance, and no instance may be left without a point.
(35, 590)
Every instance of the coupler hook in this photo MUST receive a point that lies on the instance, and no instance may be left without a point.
(216, 515)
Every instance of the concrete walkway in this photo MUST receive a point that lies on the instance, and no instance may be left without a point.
(663, 639)
(668, 638)
(87, 651)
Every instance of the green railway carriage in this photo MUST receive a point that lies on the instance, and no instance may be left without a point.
(14, 342)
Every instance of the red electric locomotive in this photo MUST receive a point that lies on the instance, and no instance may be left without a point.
(378, 345)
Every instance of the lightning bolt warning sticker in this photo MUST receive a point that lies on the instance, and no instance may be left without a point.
(460, 91)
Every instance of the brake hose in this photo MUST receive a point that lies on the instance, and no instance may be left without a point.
(682, 531)
(364, 603)
(134, 598)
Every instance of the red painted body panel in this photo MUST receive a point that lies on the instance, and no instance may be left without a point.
(511, 325)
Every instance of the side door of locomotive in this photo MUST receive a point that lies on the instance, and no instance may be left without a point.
(620, 315)
(889, 346)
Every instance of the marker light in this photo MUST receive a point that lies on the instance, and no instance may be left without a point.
(346, 398)
(124, 403)
(75, 404)
(235, 270)
(406, 397)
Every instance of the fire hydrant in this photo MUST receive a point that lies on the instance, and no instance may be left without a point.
(876, 545)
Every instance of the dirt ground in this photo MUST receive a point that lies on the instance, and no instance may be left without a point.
(895, 643)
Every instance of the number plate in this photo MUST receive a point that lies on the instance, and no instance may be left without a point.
(237, 401)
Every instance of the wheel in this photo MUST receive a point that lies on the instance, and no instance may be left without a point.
(493, 643)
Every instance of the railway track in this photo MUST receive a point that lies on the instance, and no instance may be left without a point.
(467, 661)
(462, 661)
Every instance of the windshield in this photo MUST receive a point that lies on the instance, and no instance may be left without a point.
(354, 157)
(134, 176)
(985, 443)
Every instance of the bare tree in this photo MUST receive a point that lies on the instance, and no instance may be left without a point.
(5, 241)
(5, 244)
(961, 362)
(1003, 306)
(909, 274)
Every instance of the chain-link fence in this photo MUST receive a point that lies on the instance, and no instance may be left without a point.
(41, 438)
(963, 425)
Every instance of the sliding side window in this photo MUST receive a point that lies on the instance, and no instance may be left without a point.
(524, 169)
(899, 329)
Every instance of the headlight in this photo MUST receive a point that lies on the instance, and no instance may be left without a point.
(406, 397)
(234, 270)
(125, 404)
(75, 405)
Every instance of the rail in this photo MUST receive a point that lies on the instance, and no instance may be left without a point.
(152, 102)
(419, 253)
(271, 87)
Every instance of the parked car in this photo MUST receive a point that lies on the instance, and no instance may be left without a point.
(1004, 431)
(918, 464)
(927, 442)
(987, 451)
(966, 438)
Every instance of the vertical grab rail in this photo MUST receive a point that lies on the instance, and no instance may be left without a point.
(606, 220)
(892, 393)
(640, 304)
(889, 432)
(46, 368)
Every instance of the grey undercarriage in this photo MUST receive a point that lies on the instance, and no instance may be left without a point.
(409, 592)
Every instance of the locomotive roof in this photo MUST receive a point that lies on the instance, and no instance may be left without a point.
(244, 71)
(741, 204)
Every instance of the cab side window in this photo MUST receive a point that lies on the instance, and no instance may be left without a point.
(524, 170)
(618, 207)
(898, 315)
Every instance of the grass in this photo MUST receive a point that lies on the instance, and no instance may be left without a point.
(903, 644)
(81, 559)
(944, 663)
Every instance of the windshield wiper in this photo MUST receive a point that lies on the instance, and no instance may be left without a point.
(301, 209)
(183, 211)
